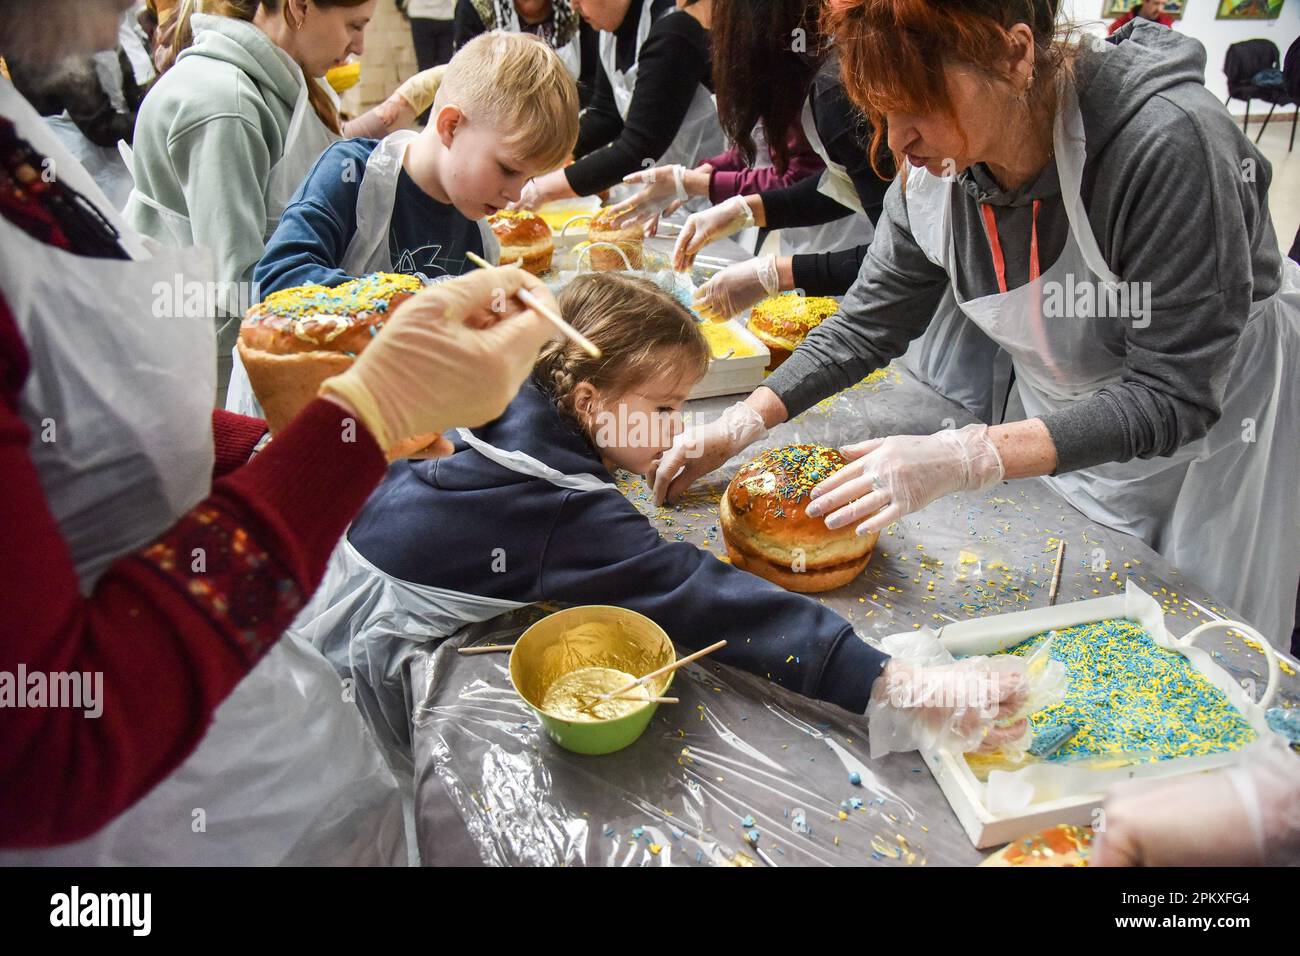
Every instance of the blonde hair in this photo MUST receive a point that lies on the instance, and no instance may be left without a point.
(639, 328)
(519, 85)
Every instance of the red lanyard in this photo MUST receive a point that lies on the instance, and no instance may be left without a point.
(995, 244)
(1036, 325)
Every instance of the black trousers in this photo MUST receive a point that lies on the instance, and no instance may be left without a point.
(432, 40)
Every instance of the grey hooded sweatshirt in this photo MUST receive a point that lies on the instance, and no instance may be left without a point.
(1177, 197)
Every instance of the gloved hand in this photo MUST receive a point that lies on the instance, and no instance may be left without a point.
(717, 222)
(664, 186)
(453, 354)
(419, 90)
(954, 706)
(888, 478)
(704, 448)
(1246, 815)
(737, 288)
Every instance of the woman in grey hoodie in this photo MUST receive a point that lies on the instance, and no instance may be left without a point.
(1097, 213)
(230, 130)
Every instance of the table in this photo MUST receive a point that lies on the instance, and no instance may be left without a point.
(490, 787)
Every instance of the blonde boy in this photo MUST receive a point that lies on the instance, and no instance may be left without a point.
(506, 110)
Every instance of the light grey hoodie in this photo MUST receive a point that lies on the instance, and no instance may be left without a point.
(1164, 189)
(207, 136)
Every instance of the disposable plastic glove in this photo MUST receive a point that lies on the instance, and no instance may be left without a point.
(717, 222)
(453, 354)
(419, 90)
(1247, 815)
(955, 707)
(665, 186)
(887, 478)
(737, 288)
(704, 448)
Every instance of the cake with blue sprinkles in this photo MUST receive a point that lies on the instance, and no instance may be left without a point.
(1130, 699)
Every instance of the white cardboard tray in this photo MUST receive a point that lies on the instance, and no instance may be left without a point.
(1019, 804)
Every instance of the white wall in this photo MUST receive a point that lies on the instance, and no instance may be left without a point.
(1215, 35)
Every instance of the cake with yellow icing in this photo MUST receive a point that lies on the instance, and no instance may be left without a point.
(294, 339)
(783, 321)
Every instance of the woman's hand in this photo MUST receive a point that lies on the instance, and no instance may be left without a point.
(888, 478)
(663, 187)
(737, 288)
(717, 222)
(540, 190)
(454, 354)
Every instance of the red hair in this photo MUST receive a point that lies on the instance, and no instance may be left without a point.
(893, 52)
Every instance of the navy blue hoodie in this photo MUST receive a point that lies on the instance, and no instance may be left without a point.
(468, 524)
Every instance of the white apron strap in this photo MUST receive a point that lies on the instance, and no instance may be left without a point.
(523, 464)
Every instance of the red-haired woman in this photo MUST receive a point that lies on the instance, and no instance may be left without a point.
(1095, 211)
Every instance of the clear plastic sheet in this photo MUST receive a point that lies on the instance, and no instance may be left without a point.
(491, 788)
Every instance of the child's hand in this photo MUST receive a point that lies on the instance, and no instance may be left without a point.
(946, 706)
(704, 448)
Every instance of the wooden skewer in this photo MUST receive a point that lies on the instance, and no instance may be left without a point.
(652, 700)
(1056, 573)
(640, 681)
(486, 649)
(530, 300)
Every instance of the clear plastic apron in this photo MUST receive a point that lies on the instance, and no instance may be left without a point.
(1222, 509)
(699, 135)
(285, 772)
(368, 623)
(367, 251)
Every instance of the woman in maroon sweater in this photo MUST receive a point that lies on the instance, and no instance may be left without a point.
(146, 551)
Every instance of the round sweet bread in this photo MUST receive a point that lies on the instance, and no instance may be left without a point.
(630, 239)
(783, 321)
(768, 532)
(525, 238)
(294, 339)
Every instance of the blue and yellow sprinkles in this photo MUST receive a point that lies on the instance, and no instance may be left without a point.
(362, 296)
(1130, 698)
(790, 473)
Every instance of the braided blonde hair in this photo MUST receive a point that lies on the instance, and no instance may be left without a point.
(640, 329)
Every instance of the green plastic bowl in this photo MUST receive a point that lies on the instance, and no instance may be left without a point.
(591, 636)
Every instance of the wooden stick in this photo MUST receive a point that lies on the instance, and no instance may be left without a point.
(530, 300)
(640, 681)
(1056, 574)
(652, 700)
(486, 649)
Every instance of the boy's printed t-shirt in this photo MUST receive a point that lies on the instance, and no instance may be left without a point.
(424, 236)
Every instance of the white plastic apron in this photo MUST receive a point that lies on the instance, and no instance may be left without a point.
(570, 54)
(1221, 509)
(367, 251)
(844, 233)
(285, 772)
(368, 623)
(700, 134)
